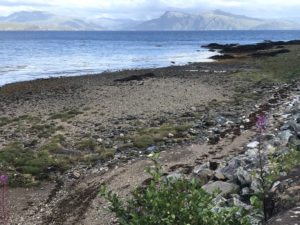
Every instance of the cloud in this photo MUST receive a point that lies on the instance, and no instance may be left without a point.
(152, 8)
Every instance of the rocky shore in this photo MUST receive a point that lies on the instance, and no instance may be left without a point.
(101, 129)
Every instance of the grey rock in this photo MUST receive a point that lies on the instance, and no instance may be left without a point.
(225, 188)
(289, 217)
(202, 167)
(244, 177)
(229, 171)
(253, 144)
(285, 195)
(204, 176)
(174, 177)
(285, 136)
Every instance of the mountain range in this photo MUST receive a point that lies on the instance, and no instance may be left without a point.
(169, 21)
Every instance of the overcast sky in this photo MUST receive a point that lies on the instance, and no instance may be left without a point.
(148, 9)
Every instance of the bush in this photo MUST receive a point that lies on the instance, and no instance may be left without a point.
(173, 202)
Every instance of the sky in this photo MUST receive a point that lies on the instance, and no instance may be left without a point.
(149, 9)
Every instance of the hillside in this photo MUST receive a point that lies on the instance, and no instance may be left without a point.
(214, 20)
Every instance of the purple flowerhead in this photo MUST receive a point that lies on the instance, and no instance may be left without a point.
(261, 124)
(3, 179)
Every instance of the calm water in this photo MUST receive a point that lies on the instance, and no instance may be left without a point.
(26, 55)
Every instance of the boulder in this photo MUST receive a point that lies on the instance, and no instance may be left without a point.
(289, 217)
(243, 176)
(204, 176)
(285, 195)
(225, 188)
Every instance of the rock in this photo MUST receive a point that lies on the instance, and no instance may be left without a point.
(193, 131)
(219, 176)
(289, 217)
(225, 188)
(245, 191)
(229, 171)
(253, 144)
(202, 167)
(76, 175)
(251, 152)
(204, 176)
(243, 176)
(193, 108)
(285, 195)
(174, 177)
(170, 135)
(285, 136)
(151, 148)
(238, 203)
(100, 140)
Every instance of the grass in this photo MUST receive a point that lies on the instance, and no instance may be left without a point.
(281, 68)
(105, 153)
(87, 144)
(65, 116)
(146, 137)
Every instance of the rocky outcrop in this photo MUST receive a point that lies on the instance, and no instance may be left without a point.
(284, 195)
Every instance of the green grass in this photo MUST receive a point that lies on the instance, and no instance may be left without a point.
(146, 137)
(87, 144)
(65, 116)
(281, 68)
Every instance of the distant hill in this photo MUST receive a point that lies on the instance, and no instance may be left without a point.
(39, 20)
(214, 20)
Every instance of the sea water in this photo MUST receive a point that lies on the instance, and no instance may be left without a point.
(29, 55)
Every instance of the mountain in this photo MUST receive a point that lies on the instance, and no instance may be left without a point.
(214, 20)
(39, 20)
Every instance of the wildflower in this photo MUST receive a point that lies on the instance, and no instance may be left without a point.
(3, 179)
(261, 124)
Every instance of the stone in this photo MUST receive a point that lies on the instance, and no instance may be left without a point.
(243, 176)
(174, 177)
(219, 176)
(170, 135)
(289, 217)
(193, 108)
(238, 203)
(285, 195)
(253, 144)
(202, 167)
(225, 188)
(100, 140)
(76, 175)
(285, 136)
(252, 152)
(229, 171)
(245, 191)
(204, 176)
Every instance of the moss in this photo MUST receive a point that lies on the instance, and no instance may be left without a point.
(64, 116)
(280, 68)
(4, 121)
(105, 153)
(87, 144)
(143, 141)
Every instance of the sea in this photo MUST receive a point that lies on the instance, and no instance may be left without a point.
(30, 55)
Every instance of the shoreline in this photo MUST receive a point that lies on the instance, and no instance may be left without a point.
(104, 125)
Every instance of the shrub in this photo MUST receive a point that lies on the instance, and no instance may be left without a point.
(172, 202)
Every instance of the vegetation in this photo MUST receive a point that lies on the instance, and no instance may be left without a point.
(146, 137)
(173, 202)
(281, 68)
(65, 116)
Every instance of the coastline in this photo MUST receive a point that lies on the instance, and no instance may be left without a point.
(176, 107)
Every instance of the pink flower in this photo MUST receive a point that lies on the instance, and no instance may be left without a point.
(261, 124)
(3, 179)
